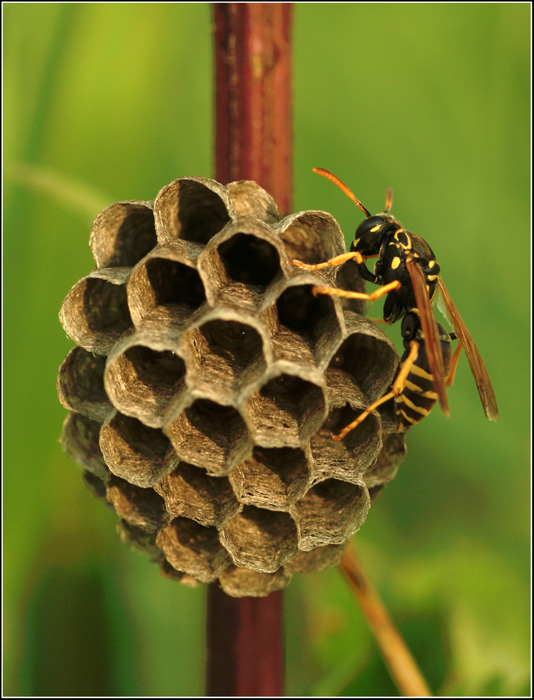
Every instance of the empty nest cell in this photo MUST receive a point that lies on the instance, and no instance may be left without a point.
(190, 492)
(249, 199)
(210, 435)
(95, 312)
(225, 352)
(311, 236)
(249, 259)
(142, 378)
(330, 513)
(193, 549)
(193, 209)
(79, 438)
(139, 507)
(306, 319)
(260, 539)
(316, 559)
(240, 583)
(242, 263)
(349, 458)
(80, 384)
(135, 452)
(271, 478)
(347, 276)
(168, 278)
(286, 410)
(366, 356)
(122, 234)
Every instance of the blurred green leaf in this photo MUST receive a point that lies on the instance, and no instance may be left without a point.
(78, 196)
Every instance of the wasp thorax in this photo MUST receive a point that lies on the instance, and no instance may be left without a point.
(207, 380)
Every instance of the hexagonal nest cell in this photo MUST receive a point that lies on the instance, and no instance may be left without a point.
(208, 378)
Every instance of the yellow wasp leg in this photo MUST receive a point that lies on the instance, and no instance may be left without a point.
(333, 262)
(345, 294)
(396, 389)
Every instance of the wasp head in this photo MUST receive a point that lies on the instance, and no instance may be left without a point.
(371, 233)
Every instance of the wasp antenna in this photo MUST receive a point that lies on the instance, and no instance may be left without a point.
(343, 187)
(389, 200)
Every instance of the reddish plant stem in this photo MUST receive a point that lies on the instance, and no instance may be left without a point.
(253, 96)
(253, 141)
(245, 645)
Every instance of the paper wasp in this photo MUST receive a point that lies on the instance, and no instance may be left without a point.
(409, 274)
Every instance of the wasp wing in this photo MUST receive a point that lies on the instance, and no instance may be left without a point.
(478, 368)
(430, 331)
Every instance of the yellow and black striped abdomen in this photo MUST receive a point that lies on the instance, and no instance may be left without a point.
(418, 396)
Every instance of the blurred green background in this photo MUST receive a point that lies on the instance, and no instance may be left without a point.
(104, 102)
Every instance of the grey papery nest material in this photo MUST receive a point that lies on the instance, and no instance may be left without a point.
(207, 380)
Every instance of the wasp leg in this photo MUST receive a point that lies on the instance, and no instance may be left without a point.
(345, 294)
(347, 429)
(333, 262)
(396, 389)
(454, 365)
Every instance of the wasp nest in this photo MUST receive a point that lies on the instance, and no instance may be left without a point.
(207, 379)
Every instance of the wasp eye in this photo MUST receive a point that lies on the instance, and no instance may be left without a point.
(371, 225)
(369, 235)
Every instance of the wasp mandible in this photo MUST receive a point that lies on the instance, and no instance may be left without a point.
(409, 275)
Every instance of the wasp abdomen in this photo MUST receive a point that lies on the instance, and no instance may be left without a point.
(418, 395)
